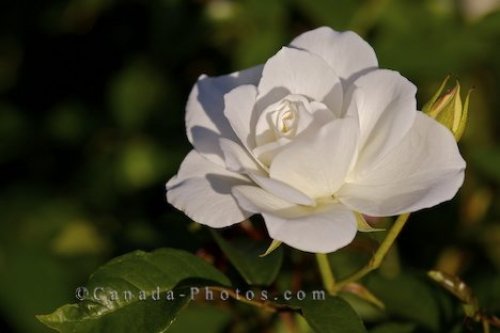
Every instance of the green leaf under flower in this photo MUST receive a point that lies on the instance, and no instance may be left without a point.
(331, 315)
(245, 255)
(141, 274)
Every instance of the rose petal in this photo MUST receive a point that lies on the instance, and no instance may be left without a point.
(256, 200)
(323, 232)
(386, 108)
(239, 104)
(346, 52)
(317, 164)
(202, 190)
(238, 160)
(205, 120)
(424, 170)
(311, 115)
(266, 152)
(282, 190)
(294, 71)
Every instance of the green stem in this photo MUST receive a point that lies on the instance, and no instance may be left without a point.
(326, 272)
(379, 255)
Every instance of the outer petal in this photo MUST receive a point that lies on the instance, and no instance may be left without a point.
(202, 190)
(205, 120)
(239, 104)
(386, 108)
(424, 170)
(302, 73)
(346, 52)
(317, 164)
(323, 232)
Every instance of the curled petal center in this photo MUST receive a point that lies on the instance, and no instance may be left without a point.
(287, 118)
(282, 122)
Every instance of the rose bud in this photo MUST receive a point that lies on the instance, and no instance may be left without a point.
(448, 108)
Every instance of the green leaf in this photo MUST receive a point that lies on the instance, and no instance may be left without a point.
(135, 293)
(345, 263)
(366, 311)
(145, 316)
(331, 314)
(244, 254)
(201, 318)
(408, 297)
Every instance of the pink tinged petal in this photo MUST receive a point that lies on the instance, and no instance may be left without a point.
(386, 107)
(346, 52)
(424, 170)
(202, 190)
(323, 232)
(205, 120)
(317, 164)
(239, 104)
(294, 71)
(238, 160)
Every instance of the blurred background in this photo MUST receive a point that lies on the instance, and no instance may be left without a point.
(92, 96)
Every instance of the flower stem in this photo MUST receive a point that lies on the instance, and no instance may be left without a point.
(264, 305)
(326, 272)
(379, 255)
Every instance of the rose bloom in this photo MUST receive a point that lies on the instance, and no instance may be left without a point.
(315, 134)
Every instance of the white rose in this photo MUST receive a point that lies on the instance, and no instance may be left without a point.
(316, 133)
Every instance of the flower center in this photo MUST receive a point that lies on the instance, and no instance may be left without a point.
(283, 121)
(287, 117)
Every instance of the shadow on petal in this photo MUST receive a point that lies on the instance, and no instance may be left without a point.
(204, 138)
(224, 184)
(205, 110)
